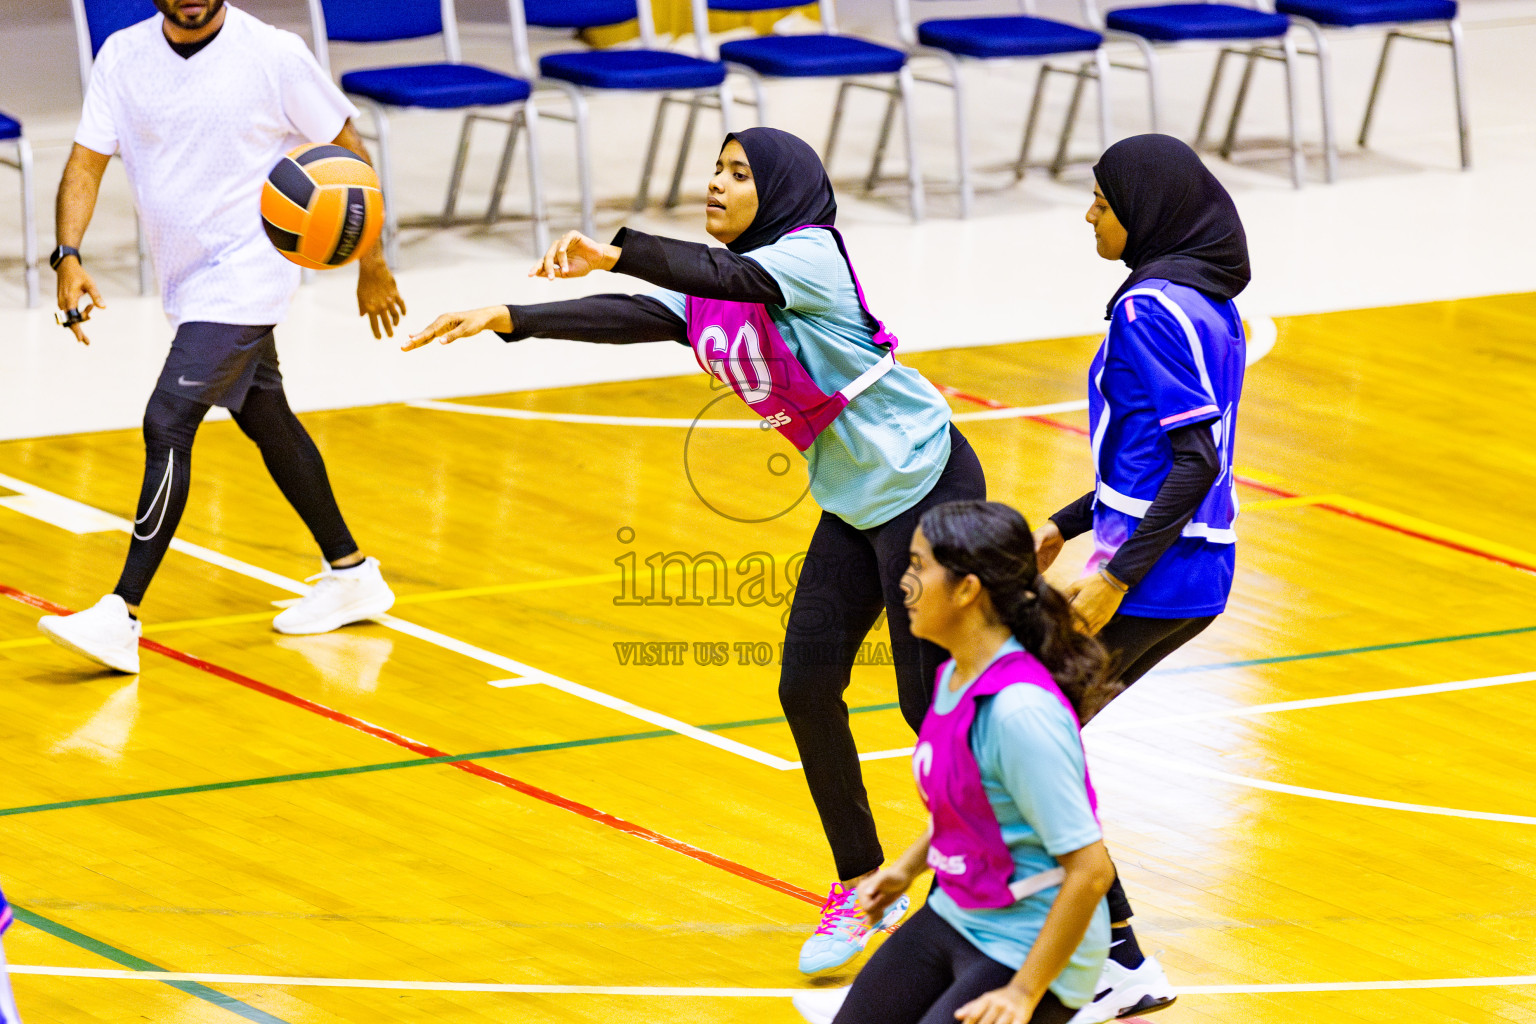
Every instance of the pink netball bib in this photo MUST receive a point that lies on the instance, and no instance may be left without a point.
(739, 345)
(968, 855)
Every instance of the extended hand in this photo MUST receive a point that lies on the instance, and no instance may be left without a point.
(880, 890)
(1048, 542)
(73, 283)
(1006, 1005)
(377, 296)
(1094, 600)
(451, 327)
(575, 255)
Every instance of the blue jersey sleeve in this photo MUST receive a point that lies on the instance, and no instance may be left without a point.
(809, 269)
(1032, 748)
(1165, 353)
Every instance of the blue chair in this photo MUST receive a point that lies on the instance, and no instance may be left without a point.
(449, 84)
(1401, 19)
(1265, 34)
(957, 40)
(95, 20)
(679, 78)
(824, 54)
(11, 137)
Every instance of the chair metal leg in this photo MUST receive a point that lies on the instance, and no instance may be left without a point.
(727, 107)
(384, 165)
(459, 160)
(962, 140)
(1230, 140)
(837, 120)
(146, 263)
(877, 162)
(1064, 142)
(1101, 65)
(909, 130)
(675, 191)
(643, 196)
(28, 220)
(504, 168)
(1293, 113)
(1325, 91)
(1210, 96)
(1381, 73)
(530, 118)
(1031, 122)
(1149, 58)
(1459, 72)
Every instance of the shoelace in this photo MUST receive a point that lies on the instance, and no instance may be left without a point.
(840, 913)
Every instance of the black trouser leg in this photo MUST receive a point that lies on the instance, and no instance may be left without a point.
(296, 466)
(170, 426)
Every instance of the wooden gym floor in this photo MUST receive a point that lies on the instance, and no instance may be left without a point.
(1326, 799)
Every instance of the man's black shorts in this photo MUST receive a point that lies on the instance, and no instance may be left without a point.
(218, 364)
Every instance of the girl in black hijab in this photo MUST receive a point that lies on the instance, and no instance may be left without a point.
(1163, 392)
(778, 314)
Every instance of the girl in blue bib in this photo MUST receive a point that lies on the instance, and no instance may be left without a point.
(1016, 929)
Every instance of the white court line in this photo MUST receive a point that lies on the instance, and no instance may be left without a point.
(1321, 794)
(711, 424)
(1095, 727)
(279, 980)
(78, 511)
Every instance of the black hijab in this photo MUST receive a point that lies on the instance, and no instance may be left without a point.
(1181, 224)
(792, 187)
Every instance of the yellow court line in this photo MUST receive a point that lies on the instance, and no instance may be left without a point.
(508, 588)
(1300, 501)
(1429, 529)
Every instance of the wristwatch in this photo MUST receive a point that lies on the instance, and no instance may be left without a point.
(58, 255)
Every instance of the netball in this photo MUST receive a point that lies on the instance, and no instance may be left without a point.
(322, 207)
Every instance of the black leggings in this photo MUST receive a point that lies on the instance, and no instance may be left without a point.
(848, 578)
(924, 973)
(1137, 644)
(170, 426)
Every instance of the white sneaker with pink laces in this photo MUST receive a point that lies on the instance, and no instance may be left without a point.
(843, 933)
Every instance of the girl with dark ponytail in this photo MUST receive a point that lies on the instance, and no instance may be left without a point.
(1016, 930)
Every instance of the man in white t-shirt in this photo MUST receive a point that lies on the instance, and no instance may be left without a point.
(200, 103)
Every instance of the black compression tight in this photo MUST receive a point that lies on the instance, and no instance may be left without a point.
(170, 426)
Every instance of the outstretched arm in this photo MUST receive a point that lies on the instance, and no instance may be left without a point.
(705, 271)
(603, 319)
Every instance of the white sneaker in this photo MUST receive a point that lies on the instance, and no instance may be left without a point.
(104, 632)
(843, 933)
(1123, 992)
(341, 596)
(820, 1005)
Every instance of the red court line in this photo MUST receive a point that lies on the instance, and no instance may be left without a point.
(417, 747)
(1278, 492)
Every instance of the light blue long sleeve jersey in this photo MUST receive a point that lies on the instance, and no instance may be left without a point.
(885, 451)
(1031, 761)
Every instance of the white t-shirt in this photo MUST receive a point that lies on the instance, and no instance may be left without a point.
(198, 136)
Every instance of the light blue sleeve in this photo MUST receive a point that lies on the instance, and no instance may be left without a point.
(677, 302)
(1031, 747)
(809, 269)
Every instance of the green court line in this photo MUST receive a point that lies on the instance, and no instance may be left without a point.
(481, 755)
(128, 960)
(1282, 658)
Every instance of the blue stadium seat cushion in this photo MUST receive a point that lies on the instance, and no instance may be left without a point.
(812, 56)
(1006, 37)
(744, 6)
(10, 128)
(578, 13)
(441, 86)
(1172, 22)
(1348, 13)
(632, 69)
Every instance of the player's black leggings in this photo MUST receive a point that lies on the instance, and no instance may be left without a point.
(927, 971)
(170, 425)
(848, 578)
(1137, 644)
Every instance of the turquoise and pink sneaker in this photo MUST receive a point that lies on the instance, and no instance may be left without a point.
(843, 932)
